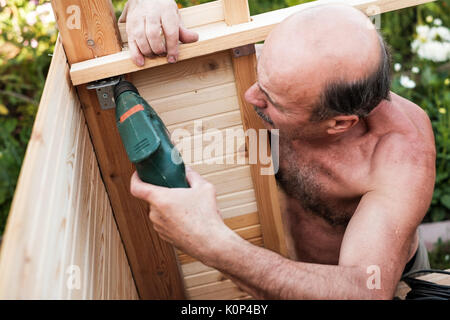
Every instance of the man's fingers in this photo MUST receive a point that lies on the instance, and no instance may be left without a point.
(169, 23)
(187, 36)
(153, 33)
(145, 191)
(144, 46)
(136, 54)
(194, 179)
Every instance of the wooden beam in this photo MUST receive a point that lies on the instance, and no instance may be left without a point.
(265, 186)
(236, 11)
(219, 36)
(152, 261)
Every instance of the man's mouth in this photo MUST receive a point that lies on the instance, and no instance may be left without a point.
(263, 116)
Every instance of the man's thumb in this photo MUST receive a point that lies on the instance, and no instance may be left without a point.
(144, 191)
(187, 36)
(123, 16)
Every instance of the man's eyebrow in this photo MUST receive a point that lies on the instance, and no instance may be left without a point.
(268, 97)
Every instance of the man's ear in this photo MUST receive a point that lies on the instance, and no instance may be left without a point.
(340, 124)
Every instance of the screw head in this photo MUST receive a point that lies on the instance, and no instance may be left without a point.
(90, 42)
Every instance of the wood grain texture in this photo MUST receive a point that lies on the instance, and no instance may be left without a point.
(59, 205)
(153, 261)
(236, 11)
(83, 22)
(218, 36)
(264, 184)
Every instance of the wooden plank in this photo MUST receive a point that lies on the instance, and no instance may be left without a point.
(216, 290)
(218, 121)
(194, 268)
(203, 278)
(45, 231)
(192, 17)
(218, 37)
(185, 76)
(152, 261)
(220, 163)
(82, 22)
(211, 145)
(235, 199)
(231, 180)
(199, 96)
(236, 11)
(239, 210)
(264, 184)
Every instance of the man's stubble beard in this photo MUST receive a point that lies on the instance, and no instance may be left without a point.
(299, 180)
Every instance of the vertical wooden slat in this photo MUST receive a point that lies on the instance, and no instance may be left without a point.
(152, 260)
(237, 11)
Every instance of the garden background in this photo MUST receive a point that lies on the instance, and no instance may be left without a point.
(419, 38)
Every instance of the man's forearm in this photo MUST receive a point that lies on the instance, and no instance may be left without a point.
(265, 274)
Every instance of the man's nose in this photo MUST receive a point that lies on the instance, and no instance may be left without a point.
(254, 97)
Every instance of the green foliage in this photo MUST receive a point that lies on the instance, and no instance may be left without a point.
(27, 40)
(440, 255)
(431, 91)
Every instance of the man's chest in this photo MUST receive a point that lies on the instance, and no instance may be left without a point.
(327, 184)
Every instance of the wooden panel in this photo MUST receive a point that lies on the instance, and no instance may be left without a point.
(239, 209)
(235, 199)
(184, 76)
(219, 121)
(218, 37)
(152, 261)
(220, 163)
(79, 21)
(231, 180)
(49, 235)
(236, 11)
(265, 185)
(216, 290)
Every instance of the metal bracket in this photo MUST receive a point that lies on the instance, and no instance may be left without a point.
(105, 91)
(246, 50)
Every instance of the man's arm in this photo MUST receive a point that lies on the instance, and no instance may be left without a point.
(379, 234)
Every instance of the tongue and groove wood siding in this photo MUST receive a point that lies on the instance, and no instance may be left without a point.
(204, 90)
(61, 219)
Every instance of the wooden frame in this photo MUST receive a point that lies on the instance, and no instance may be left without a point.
(207, 84)
(217, 36)
(61, 240)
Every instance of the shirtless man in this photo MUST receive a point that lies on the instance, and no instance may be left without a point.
(357, 167)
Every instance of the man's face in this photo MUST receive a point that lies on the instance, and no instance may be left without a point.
(282, 105)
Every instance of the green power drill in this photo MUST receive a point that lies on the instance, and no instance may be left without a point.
(146, 139)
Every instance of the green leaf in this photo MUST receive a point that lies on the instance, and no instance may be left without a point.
(445, 200)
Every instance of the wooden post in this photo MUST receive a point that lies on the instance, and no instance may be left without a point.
(237, 11)
(89, 30)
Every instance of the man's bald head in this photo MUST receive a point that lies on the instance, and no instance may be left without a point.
(328, 57)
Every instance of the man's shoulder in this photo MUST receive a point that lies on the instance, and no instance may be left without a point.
(407, 147)
(407, 134)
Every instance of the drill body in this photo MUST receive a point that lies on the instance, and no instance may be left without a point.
(146, 140)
